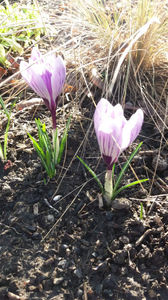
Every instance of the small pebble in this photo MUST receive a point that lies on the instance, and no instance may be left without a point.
(36, 236)
(6, 189)
(57, 198)
(79, 293)
(124, 239)
(58, 280)
(78, 273)
(62, 263)
(121, 203)
(50, 219)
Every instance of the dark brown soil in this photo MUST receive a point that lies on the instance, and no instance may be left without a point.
(76, 250)
(56, 243)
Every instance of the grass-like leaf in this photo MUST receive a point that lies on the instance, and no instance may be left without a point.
(3, 151)
(63, 141)
(127, 186)
(92, 173)
(123, 170)
(44, 149)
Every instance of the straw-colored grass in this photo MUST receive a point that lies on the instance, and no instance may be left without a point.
(127, 43)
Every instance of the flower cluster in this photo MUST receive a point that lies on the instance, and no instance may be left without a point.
(46, 76)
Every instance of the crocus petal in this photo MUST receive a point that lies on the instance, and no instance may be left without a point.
(35, 55)
(58, 75)
(132, 128)
(119, 113)
(136, 122)
(109, 139)
(32, 75)
(103, 110)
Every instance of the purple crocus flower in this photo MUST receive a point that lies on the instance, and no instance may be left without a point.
(46, 76)
(115, 133)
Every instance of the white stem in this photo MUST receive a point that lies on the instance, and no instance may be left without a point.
(55, 144)
(108, 187)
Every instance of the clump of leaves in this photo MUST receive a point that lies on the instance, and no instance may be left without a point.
(3, 149)
(20, 27)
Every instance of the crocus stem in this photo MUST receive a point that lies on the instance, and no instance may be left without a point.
(108, 187)
(53, 114)
(55, 145)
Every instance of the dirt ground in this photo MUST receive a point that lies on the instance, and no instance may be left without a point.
(56, 243)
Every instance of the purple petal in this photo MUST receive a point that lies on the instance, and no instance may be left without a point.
(103, 109)
(132, 128)
(119, 113)
(35, 55)
(136, 122)
(108, 136)
(58, 75)
(32, 76)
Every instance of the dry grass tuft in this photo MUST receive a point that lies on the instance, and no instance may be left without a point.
(126, 42)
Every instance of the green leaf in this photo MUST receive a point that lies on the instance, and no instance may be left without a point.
(123, 170)
(44, 140)
(127, 186)
(13, 44)
(44, 148)
(6, 139)
(8, 114)
(63, 141)
(92, 173)
(4, 107)
(3, 59)
(37, 146)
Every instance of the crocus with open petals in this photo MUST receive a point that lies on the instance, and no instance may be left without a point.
(46, 76)
(115, 133)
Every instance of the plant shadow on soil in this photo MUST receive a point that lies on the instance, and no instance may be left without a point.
(91, 253)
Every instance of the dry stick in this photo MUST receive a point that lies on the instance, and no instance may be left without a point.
(64, 212)
(85, 291)
(132, 40)
(83, 75)
(20, 89)
(139, 241)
